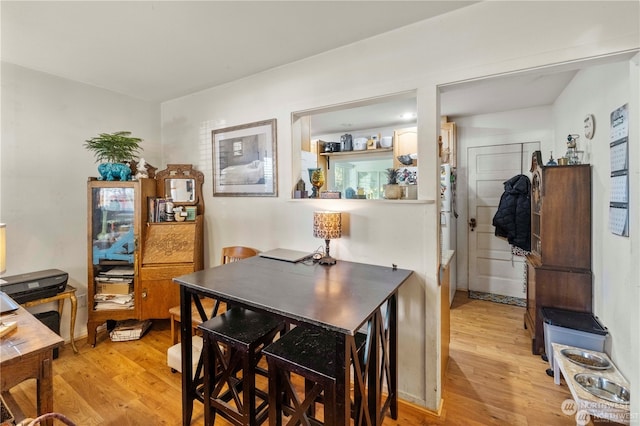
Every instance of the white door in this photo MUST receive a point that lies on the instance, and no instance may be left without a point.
(492, 267)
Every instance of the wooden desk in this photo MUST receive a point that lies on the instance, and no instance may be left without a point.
(593, 405)
(341, 298)
(68, 293)
(27, 353)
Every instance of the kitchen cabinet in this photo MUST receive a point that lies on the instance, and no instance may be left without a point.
(559, 264)
(405, 142)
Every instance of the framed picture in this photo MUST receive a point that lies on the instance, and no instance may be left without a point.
(244, 160)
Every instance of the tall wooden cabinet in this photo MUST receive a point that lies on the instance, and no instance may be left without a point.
(559, 265)
(126, 249)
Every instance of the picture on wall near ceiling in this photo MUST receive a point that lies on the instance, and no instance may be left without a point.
(244, 160)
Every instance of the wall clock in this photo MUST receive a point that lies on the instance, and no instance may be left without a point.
(589, 126)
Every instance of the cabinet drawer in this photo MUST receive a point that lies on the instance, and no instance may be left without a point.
(164, 272)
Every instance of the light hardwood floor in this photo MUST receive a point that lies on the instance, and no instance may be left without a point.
(492, 378)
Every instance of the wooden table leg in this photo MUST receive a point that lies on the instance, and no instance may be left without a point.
(74, 312)
(44, 385)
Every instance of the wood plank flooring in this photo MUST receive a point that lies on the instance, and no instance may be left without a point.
(492, 378)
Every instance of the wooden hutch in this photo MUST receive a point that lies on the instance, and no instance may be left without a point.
(559, 265)
(134, 256)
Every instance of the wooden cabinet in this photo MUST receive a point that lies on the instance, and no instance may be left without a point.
(134, 259)
(405, 142)
(448, 142)
(559, 265)
(170, 249)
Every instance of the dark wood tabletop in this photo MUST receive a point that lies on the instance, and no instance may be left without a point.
(340, 297)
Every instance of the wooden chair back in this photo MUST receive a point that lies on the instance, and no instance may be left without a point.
(235, 253)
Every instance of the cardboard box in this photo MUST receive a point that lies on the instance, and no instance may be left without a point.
(113, 288)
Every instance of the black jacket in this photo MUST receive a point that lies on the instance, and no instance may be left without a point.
(513, 218)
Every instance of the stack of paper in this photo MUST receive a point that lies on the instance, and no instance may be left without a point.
(113, 301)
(129, 330)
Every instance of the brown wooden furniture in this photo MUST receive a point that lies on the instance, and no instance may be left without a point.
(68, 293)
(122, 237)
(341, 298)
(231, 352)
(235, 253)
(559, 265)
(27, 353)
(210, 306)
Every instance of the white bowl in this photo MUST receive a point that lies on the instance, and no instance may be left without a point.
(386, 142)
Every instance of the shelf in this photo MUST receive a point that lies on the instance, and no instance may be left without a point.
(363, 151)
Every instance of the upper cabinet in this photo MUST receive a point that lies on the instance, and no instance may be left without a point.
(405, 147)
(448, 142)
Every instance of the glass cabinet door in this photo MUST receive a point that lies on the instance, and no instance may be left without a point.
(113, 224)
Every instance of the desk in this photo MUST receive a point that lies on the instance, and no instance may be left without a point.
(593, 405)
(27, 353)
(68, 293)
(342, 299)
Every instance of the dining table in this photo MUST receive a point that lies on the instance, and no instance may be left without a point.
(345, 298)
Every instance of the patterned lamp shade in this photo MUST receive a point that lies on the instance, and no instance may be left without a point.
(327, 225)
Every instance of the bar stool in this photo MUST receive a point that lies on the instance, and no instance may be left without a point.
(309, 353)
(232, 349)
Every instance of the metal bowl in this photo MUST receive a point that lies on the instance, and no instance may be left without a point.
(586, 359)
(603, 388)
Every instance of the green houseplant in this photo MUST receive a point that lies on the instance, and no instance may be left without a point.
(392, 190)
(114, 150)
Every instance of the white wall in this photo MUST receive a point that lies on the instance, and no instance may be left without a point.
(45, 121)
(45, 206)
(600, 90)
(484, 39)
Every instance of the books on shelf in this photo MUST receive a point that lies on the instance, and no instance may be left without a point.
(129, 330)
(157, 209)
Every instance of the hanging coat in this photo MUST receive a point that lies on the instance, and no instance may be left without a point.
(513, 218)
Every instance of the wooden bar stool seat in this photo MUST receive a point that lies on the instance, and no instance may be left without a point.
(310, 354)
(232, 349)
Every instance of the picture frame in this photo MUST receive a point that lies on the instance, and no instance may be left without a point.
(244, 160)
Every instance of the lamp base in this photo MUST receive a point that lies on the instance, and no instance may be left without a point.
(327, 260)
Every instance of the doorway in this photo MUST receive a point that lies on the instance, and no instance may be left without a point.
(494, 271)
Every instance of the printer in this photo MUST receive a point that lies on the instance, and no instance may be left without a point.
(34, 285)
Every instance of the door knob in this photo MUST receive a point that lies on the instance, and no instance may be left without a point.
(472, 223)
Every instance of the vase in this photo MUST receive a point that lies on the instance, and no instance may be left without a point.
(316, 177)
(392, 191)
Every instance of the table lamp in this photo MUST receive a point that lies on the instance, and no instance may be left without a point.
(328, 226)
(3, 248)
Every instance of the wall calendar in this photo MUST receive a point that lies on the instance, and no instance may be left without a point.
(619, 181)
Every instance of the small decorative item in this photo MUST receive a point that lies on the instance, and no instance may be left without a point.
(316, 177)
(141, 169)
(331, 194)
(328, 226)
(191, 212)
(392, 190)
(574, 156)
(300, 191)
(115, 150)
(551, 161)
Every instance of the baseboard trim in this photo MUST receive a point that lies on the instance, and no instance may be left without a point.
(438, 412)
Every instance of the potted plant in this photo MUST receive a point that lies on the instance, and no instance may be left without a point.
(392, 190)
(114, 150)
